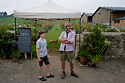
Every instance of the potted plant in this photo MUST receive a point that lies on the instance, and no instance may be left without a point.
(95, 44)
(15, 55)
(83, 56)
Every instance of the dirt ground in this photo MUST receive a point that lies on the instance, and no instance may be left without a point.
(108, 71)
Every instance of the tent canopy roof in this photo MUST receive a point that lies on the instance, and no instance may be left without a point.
(48, 10)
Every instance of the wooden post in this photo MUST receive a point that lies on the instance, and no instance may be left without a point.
(31, 55)
(25, 54)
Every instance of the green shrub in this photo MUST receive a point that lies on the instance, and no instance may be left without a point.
(101, 26)
(95, 44)
(76, 27)
(122, 29)
(45, 28)
(5, 43)
(15, 54)
(95, 41)
(35, 34)
(62, 27)
(87, 28)
(112, 30)
(50, 26)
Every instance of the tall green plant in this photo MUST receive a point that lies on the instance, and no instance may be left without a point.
(95, 41)
(95, 44)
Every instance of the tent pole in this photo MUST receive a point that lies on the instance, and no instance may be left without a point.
(69, 20)
(15, 33)
(79, 32)
(15, 29)
(35, 22)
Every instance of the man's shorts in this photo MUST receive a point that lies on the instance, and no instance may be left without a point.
(45, 60)
(66, 56)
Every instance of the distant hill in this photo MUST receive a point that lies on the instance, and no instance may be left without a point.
(10, 20)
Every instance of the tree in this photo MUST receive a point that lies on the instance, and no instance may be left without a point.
(4, 13)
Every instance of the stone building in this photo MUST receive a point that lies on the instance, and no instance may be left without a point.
(105, 15)
(119, 22)
(86, 18)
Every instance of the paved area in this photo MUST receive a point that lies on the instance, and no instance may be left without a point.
(108, 71)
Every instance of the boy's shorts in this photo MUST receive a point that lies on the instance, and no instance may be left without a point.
(66, 56)
(45, 60)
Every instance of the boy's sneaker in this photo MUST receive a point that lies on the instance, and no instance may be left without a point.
(63, 75)
(42, 79)
(74, 74)
(51, 76)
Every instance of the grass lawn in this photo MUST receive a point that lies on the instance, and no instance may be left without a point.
(53, 34)
(10, 19)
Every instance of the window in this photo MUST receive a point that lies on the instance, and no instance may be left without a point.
(99, 12)
(116, 21)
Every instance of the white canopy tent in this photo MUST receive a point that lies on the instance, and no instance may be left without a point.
(48, 10)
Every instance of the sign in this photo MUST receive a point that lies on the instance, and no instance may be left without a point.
(24, 39)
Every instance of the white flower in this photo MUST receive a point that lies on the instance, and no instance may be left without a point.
(107, 42)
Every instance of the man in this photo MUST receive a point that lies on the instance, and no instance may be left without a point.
(67, 39)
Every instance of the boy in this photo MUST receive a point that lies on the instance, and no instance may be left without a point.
(42, 56)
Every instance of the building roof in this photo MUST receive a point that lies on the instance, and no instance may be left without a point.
(114, 8)
(88, 14)
(121, 18)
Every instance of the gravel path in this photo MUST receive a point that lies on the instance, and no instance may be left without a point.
(109, 71)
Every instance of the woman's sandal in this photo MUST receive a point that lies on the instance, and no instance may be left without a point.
(51, 76)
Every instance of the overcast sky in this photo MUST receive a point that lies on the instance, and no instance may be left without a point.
(88, 6)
